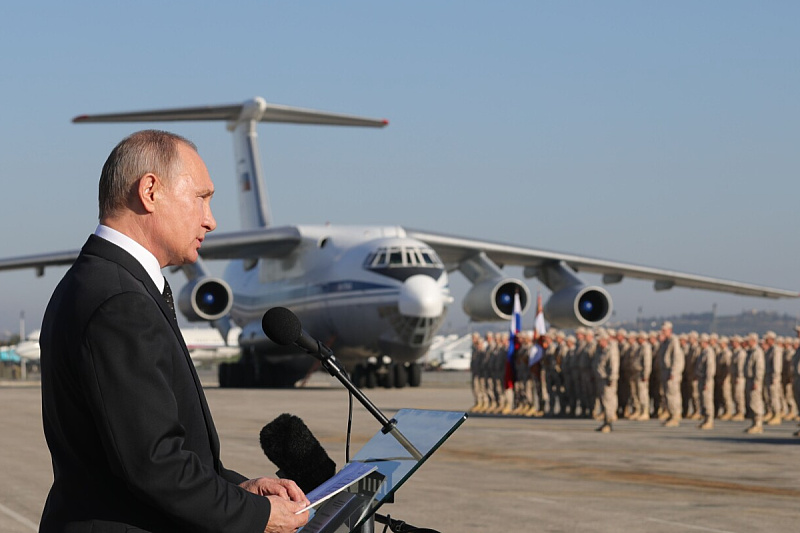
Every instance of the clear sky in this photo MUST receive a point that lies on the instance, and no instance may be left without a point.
(660, 133)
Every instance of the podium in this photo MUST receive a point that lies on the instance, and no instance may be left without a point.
(396, 457)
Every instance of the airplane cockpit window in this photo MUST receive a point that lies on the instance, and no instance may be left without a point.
(402, 262)
(426, 257)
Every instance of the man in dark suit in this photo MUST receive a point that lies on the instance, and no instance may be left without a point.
(131, 437)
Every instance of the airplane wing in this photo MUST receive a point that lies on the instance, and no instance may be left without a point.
(39, 261)
(268, 242)
(453, 250)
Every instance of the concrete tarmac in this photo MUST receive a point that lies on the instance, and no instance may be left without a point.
(495, 473)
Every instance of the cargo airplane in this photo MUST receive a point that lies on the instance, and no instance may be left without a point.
(376, 295)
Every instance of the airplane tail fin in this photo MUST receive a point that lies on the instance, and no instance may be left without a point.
(242, 119)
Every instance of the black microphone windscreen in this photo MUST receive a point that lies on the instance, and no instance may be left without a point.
(289, 444)
(281, 326)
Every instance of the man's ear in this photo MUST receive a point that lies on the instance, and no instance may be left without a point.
(147, 189)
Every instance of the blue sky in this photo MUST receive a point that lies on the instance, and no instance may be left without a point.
(660, 133)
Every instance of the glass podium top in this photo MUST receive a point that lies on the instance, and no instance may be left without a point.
(425, 430)
(397, 455)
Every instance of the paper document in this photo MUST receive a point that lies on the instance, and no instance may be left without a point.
(348, 475)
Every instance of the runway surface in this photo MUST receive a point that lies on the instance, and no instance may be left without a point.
(495, 473)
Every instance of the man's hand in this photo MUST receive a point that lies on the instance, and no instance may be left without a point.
(282, 517)
(285, 488)
(285, 499)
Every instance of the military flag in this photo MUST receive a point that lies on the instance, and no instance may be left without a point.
(513, 343)
(539, 330)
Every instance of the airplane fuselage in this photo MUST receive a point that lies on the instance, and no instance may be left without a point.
(363, 291)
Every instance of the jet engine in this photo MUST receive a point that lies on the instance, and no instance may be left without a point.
(205, 299)
(493, 299)
(578, 305)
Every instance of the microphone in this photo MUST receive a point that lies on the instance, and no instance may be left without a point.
(289, 444)
(283, 327)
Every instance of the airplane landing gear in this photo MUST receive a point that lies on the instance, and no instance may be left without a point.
(387, 374)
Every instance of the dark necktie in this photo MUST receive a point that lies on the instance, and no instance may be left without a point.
(167, 293)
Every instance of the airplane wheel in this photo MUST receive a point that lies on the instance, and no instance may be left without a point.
(358, 376)
(388, 376)
(400, 375)
(241, 375)
(223, 375)
(414, 375)
(370, 377)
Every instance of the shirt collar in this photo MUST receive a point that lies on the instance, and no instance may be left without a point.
(139, 252)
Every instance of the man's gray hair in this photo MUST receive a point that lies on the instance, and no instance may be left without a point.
(143, 152)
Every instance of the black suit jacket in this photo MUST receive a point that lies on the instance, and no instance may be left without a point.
(131, 437)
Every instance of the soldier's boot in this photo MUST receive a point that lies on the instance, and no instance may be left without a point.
(531, 411)
(708, 424)
(726, 416)
(672, 422)
(663, 415)
(756, 428)
(605, 428)
(508, 406)
(774, 420)
(738, 417)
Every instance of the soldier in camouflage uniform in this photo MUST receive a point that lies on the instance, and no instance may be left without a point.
(585, 357)
(606, 369)
(671, 362)
(754, 368)
(689, 394)
(738, 358)
(773, 373)
(641, 368)
(723, 394)
(705, 368)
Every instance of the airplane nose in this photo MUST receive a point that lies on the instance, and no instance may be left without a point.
(421, 296)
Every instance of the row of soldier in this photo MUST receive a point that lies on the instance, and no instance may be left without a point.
(608, 374)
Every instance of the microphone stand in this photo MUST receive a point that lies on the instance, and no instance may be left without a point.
(331, 364)
(334, 368)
